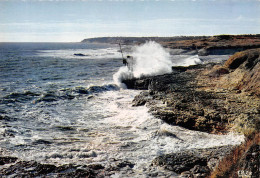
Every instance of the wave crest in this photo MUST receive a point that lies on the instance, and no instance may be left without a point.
(149, 59)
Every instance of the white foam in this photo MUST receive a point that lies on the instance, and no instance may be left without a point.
(151, 59)
(187, 61)
(142, 136)
(126, 134)
(122, 74)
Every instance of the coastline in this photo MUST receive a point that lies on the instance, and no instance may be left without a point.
(202, 45)
(206, 97)
(214, 98)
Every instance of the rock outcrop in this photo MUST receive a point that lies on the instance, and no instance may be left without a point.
(246, 68)
(14, 167)
(34, 169)
(195, 162)
(208, 97)
(242, 161)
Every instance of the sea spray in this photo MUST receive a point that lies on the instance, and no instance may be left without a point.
(122, 74)
(149, 59)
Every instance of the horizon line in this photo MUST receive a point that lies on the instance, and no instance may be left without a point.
(126, 37)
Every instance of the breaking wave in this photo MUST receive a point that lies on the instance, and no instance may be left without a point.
(148, 59)
(188, 61)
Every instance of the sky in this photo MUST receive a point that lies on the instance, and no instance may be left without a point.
(75, 20)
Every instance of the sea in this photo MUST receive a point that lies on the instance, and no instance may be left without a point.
(60, 108)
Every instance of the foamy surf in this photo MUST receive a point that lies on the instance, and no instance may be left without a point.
(188, 61)
(125, 133)
(138, 137)
(149, 59)
(79, 120)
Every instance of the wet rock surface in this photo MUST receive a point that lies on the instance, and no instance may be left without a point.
(198, 162)
(182, 104)
(13, 167)
(34, 169)
(210, 97)
(213, 98)
(7, 160)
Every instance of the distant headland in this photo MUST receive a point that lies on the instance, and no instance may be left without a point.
(204, 45)
(136, 40)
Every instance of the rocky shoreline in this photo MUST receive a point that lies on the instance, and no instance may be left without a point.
(15, 167)
(213, 98)
(206, 97)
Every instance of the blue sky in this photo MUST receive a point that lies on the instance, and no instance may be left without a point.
(74, 20)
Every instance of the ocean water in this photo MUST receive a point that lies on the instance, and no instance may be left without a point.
(59, 108)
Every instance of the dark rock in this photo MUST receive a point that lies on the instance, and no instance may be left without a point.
(34, 169)
(41, 141)
(162, 82)
(96, 166)
(118, 165)
(80, 54)
(139, 84)
(65, 128)
(179, 162)
(125, 163)
(99, 89)
(7, 160)
(141, 99)
(192, 162)
(200, 169)
(179, 68)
